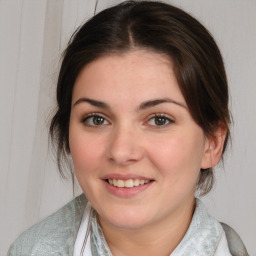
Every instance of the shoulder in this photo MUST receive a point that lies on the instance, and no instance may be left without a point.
(54, 235)
(234, 242)
(227, 240)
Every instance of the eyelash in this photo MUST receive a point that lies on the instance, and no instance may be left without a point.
(155, 116)
(93, 115)
(162, 116)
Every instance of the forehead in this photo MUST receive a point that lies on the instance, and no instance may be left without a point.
(137, 74)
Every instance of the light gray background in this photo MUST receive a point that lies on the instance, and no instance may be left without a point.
(33, 34)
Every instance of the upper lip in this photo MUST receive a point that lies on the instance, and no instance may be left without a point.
(119, 176)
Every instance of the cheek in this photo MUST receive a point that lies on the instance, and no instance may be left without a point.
(178, 155)
(86, 153)
(178, 164)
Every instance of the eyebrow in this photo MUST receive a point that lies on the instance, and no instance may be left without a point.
(155, 102)
(142, 106)
(95, 103)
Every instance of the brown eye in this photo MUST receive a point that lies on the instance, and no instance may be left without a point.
(95, 120)
(98, 120)
(160, 120)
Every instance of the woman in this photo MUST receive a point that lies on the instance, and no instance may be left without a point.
(143, 112)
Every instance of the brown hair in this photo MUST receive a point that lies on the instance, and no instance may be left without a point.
(161, 28)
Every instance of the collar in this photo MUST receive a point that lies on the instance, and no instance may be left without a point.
(202, 237)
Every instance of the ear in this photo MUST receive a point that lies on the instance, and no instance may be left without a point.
(214, 148)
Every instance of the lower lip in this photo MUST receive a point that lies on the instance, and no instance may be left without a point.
(127, 192)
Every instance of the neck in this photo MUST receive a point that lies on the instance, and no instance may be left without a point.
(160, 238)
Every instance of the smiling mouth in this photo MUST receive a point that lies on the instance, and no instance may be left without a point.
(130, 183)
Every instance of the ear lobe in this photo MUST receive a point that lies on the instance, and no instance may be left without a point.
(214, 148)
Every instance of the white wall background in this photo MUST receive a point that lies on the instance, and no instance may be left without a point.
(32, 35)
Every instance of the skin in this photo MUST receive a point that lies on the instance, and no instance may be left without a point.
(129, 141)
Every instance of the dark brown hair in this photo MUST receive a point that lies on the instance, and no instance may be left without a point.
(161, 28)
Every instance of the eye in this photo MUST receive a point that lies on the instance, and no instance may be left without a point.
(160, 120)
(94, 120)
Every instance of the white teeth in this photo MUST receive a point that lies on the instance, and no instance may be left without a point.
(120, 183)
(127, 183)
(137, 182)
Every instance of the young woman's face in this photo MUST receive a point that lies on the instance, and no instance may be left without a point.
(137, 152)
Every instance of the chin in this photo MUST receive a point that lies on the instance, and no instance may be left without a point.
(123, 219)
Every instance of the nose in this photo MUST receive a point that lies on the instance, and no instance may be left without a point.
(125, 146)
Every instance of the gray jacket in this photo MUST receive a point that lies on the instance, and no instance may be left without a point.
(56, 234)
